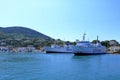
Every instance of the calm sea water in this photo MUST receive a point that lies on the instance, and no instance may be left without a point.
(59, 67)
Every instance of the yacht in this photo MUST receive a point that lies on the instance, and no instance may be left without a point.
(87, 48)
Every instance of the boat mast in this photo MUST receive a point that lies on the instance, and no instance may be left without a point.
(84, 37)
(97, 39)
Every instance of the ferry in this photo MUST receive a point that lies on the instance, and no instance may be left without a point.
(87, 48)
(58, 49)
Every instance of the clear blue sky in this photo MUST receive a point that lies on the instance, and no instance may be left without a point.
(64, 19)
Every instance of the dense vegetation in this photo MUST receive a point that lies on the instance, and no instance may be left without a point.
(23, 32)
(108, 43)
(20, 36)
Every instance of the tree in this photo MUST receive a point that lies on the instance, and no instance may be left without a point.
(105, 43)
(95, 41)
(113, 43)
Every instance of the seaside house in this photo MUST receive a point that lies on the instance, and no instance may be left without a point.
(29, 48)
(114, 49)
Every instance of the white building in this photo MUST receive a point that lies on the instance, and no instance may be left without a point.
(114, 49)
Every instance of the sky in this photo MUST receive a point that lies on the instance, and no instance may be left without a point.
(64, 19)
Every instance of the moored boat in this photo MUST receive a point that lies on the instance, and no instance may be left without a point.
(87, 48)
(58, 49)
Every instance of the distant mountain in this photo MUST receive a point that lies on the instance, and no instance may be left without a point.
(27, 32)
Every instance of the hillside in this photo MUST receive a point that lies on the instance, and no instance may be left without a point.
(26, 32)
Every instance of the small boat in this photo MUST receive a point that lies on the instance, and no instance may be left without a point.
(87, 48)
(58, 49)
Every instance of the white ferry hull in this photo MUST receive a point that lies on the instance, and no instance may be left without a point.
(88, 51)
(58, 50)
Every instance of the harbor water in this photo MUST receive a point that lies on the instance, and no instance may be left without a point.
(38, 66)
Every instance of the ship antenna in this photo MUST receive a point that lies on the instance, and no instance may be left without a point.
(97, 39)
(84, 36)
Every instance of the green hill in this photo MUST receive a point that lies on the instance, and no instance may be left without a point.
(17, 31)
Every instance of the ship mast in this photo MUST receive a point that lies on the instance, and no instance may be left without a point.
(97, 39)
(84, 37)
